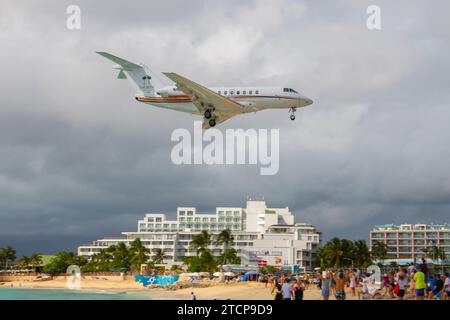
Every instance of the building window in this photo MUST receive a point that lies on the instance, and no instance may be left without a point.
(231, 92)
(238, 92)
(257, 92)
(225, 92)
(250, 92)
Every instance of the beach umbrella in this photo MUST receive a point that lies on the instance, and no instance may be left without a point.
(217, 274)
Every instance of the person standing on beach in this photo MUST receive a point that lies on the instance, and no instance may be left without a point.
(277, 292)
(326, 284)
(402, 281)
(270, 282)
(297, 291)
(353, 283)
(286, 288)
(447, 286)
(436, 291)
(391, 284)
(193, 297)
(385, 283)
(411, 269)
(306, 280)
(340, 286)
(420, 284)
(333, 284)
(412, 285)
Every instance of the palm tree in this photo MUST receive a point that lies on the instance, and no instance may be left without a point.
(362, 254)
(426, 252)
(23, 262)
(8, 254)
(437, 254)
(230, 255)
(101, 261)
(226, 239)
(200, 242)
(159, 255)
(121, 256)
(139, 254)
(35, 260)
(379, 250)
(334, 252)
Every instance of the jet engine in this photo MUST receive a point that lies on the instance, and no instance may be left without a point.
(170, 91)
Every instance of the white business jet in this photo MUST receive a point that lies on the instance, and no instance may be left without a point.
(216, 105)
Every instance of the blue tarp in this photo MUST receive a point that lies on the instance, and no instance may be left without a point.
(246, 275)
(160, 280)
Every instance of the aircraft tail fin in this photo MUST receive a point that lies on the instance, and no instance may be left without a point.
(142, 78)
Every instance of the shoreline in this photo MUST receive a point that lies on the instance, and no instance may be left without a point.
(218, 291)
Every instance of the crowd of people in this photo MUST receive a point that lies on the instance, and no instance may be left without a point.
(410, 282)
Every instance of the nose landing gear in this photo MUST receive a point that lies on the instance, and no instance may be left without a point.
(292, 111)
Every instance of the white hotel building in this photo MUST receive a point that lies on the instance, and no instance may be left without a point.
(260, 234)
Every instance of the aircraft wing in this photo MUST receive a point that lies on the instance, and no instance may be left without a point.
(204, 98)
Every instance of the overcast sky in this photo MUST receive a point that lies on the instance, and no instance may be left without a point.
(81, 159)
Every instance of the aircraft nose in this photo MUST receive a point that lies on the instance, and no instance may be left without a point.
(307, 101)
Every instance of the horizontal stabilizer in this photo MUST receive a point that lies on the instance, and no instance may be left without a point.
(126, 65)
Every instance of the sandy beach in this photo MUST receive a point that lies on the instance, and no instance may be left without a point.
(245, 291)
(220, 291)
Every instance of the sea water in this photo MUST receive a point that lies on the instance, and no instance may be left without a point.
(65, 294)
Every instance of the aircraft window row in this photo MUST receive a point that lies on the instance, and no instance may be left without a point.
(289, 90)
(238, 92)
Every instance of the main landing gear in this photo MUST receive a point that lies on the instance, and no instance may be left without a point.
(208, 114)
(292, 112)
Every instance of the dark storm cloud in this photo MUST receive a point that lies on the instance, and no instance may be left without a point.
(80, 159)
